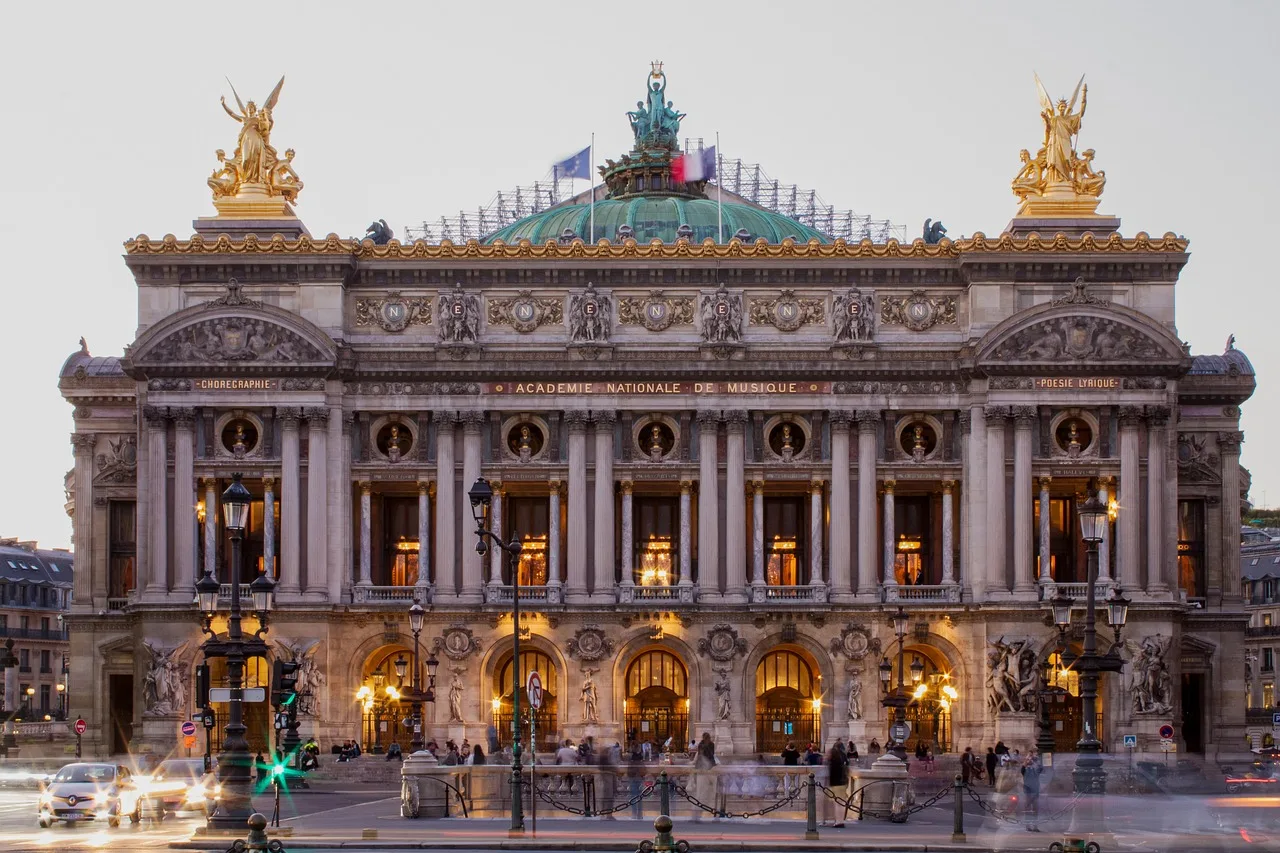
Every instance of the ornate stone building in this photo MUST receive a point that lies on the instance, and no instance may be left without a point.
(728, 458)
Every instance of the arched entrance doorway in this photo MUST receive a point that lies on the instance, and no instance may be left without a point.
(545, 723)
(386, 674)
(257, 715)
(788, 706)
(931, 685)
(657, 702)
(1065, 716)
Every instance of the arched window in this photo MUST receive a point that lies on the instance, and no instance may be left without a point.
(546, 721)
(787, 708)
(657, 703)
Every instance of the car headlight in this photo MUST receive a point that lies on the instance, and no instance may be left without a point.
(196, 793)
(46, 799)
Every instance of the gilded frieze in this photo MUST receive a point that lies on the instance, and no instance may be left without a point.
(787, 312)
(656, 311)
(918, 311)
(525, 312)
(393, 312)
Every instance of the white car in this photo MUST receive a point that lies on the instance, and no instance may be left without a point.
(180, 785)
(84, 791)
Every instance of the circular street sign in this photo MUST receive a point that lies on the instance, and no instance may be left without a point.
(899, 732)
(188, 728)
(1166, 731)
(533, 686)
(81, 726)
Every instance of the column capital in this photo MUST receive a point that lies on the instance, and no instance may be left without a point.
(1229, 442)
(686, 487)
(366, 487)
(966, 421)
(268, 482)
(888, 486)
(840, 419)
(1024, 417)
(318, 416)
(446, 422)
(472, 421)
(1045, 481)
(553, 487)
(815, 485)
(348, 420)
(755, 487)
(425, 487)
(626, 486)
(208, 483)
(83, 442)
(948, 486)
(497, 487)
(184, 417)
(1106, 482)
(1130, 416)
(995, 415)
(708, 419)
(576, 420)
(736, 419)
(155, 416)
(605, 419)
(289, 417)
(1158, 416)
(868, 420)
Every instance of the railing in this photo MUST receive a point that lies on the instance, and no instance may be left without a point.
(944, 592)
(1262, 631)
(1078, 591)
(501, 594)
(1259, 715)
(34, 633)
(799, 594)
(686, 594)
(391, 594)
(224, 592)
(117, 604)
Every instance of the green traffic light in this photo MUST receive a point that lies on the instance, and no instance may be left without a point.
(277, 769)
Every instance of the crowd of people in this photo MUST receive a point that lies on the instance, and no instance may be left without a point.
(1006, 770)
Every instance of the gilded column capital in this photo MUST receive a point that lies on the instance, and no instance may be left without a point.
(686, 486)
(1024, 417)
(996, 414)
(605, 419)
(1045, 481)
(708, 419)
(1131, 416)
(207, 483)
(155, 416)
(755, 487)
(948, 486)
(1158, 416)
(1106, 482)
(424, 487)
(736, 419)
(366, 487)
(1230, 441)
(868, 420)
(888, 486)
(289, 417)
(472, 421)
(497, 487)
(840, 419)
(576, 420)
(83, 442)
(268, 483)
(626, 486)
(553, 487)
(184, 417)
(815, 485)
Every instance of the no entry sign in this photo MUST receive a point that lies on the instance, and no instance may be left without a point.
(81, 726)
(533, 686)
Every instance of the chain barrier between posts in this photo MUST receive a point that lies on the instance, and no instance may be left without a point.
(790, 798)
(546, 797)
(1001, 814)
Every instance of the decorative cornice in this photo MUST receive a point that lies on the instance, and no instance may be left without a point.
(333, 245)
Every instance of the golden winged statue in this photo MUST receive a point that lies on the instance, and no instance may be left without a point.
(1057, 181)
(255, 180)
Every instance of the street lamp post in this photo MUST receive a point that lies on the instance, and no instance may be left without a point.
(1044, 740)
(235, 763)
(481, 496)
(416, 695)
(898, 699)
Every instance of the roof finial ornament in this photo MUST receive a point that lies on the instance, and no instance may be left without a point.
(84, 346)
(1080, 295)
(1231, 343)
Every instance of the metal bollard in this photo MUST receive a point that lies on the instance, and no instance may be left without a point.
(957, 826)
(257, 837)
(811, 811)
(664, 794)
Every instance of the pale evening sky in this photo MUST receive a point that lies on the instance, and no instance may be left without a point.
(410, 111)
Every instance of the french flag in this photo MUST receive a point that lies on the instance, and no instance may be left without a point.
(695, 166)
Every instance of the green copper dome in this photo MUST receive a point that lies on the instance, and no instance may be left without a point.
(653, 217)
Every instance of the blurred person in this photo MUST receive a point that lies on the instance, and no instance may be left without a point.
(568, 756)
(838, 782)
(476, 758)
(635, 780)
(704, 763)
(790, 755)
(967, 762)
(608, 785)
(992, 760)
(1031, 791)
(394, 752)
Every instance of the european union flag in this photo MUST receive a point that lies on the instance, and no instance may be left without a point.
(576, 166)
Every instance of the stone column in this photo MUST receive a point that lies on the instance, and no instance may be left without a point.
(868, 422)
(553, 534)
(1229, 449)
(605, 575)
(815, 533)
(1046, 560)
(366, 534)
(1127, 569)
(735, 521)
(576, 587)
(1106, 487)
(337, 495)
(1024, 420)
(708, 504)
(628, 536)
(997, 552)
(948, 533)
(496, 555)
(318, 502)
(840, 543)
(890, 540)
(83, 445)
(1157, 446)
(472, 591)
(686, 533)
(446, 506)
(210, 487)
(757, 533)
(269, 527)
(184, 499)
(290, 503)
(424, 539)
(973, 572)
(157, 504)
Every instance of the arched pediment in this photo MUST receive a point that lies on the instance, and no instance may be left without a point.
(1065, 333)
(240, 334)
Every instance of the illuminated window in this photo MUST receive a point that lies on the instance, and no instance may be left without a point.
(655, 566)
(1268, 695)
(1060, 676)
(657, 545)
(400, 533)
(783, 541)
(533, 560)
(913, 560)
(1191, 548)
(122, 548)
(1064, 555)
(529, 518)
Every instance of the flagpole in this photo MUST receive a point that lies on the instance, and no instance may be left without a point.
(719, 194)
(592, 179)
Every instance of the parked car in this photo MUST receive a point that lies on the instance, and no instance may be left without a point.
(179, 785)
(84, 791)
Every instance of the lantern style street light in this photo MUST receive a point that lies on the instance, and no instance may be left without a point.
(899, 698)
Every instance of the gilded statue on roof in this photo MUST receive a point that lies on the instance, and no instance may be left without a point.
(1057, 181)
(255, 180)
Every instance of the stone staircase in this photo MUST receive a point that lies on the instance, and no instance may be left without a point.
(362, 770)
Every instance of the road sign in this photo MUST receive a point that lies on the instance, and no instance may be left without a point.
(248, 694)
(188, 728)
(189, 741)
(1166, 731)
(81, 726)
(899, 732)
(1130, 741)
(1275, 719)
(533, 686)
(1168, 746)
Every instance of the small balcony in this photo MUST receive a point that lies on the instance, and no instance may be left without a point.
(667, 596)
(941, 593)
(117, 604)
(539, 594)
(396, 595)
(1078, 591)
(798, 594)
(1262, 631)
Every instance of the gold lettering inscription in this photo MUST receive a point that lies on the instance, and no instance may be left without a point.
(656, 388)
(236, 384)
(1078, 383)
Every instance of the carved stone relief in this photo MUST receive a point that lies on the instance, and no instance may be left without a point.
(525, 312)
(120, 463)
(721, 315)
(459, 316)
(853, 314)
(722, 643)
(855, 642)
(1197, 462)
(589, 644)
(1076, 339)
(393, 312)
(918, 311)
(787, 312)
(920, 387)
(457, 641)
(1011, 676)
(232, 339)
(590, 317)
(656, 311)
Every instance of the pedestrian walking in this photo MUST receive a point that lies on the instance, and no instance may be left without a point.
(635, 782)
(838, 783)
(704, 762)
(568, 756)
(1031, 791)
(967, 765)
(992, 761)
(608, 780)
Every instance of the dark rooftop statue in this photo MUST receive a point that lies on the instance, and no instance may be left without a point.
(654, 121)
(934, 231)
(379, 232)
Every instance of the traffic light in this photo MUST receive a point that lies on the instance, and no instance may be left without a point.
(284, 682)
(202, 685)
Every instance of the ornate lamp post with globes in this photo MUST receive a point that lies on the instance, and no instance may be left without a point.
(899, 698)
(235, 763)
(481, 496)
(415, 694)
